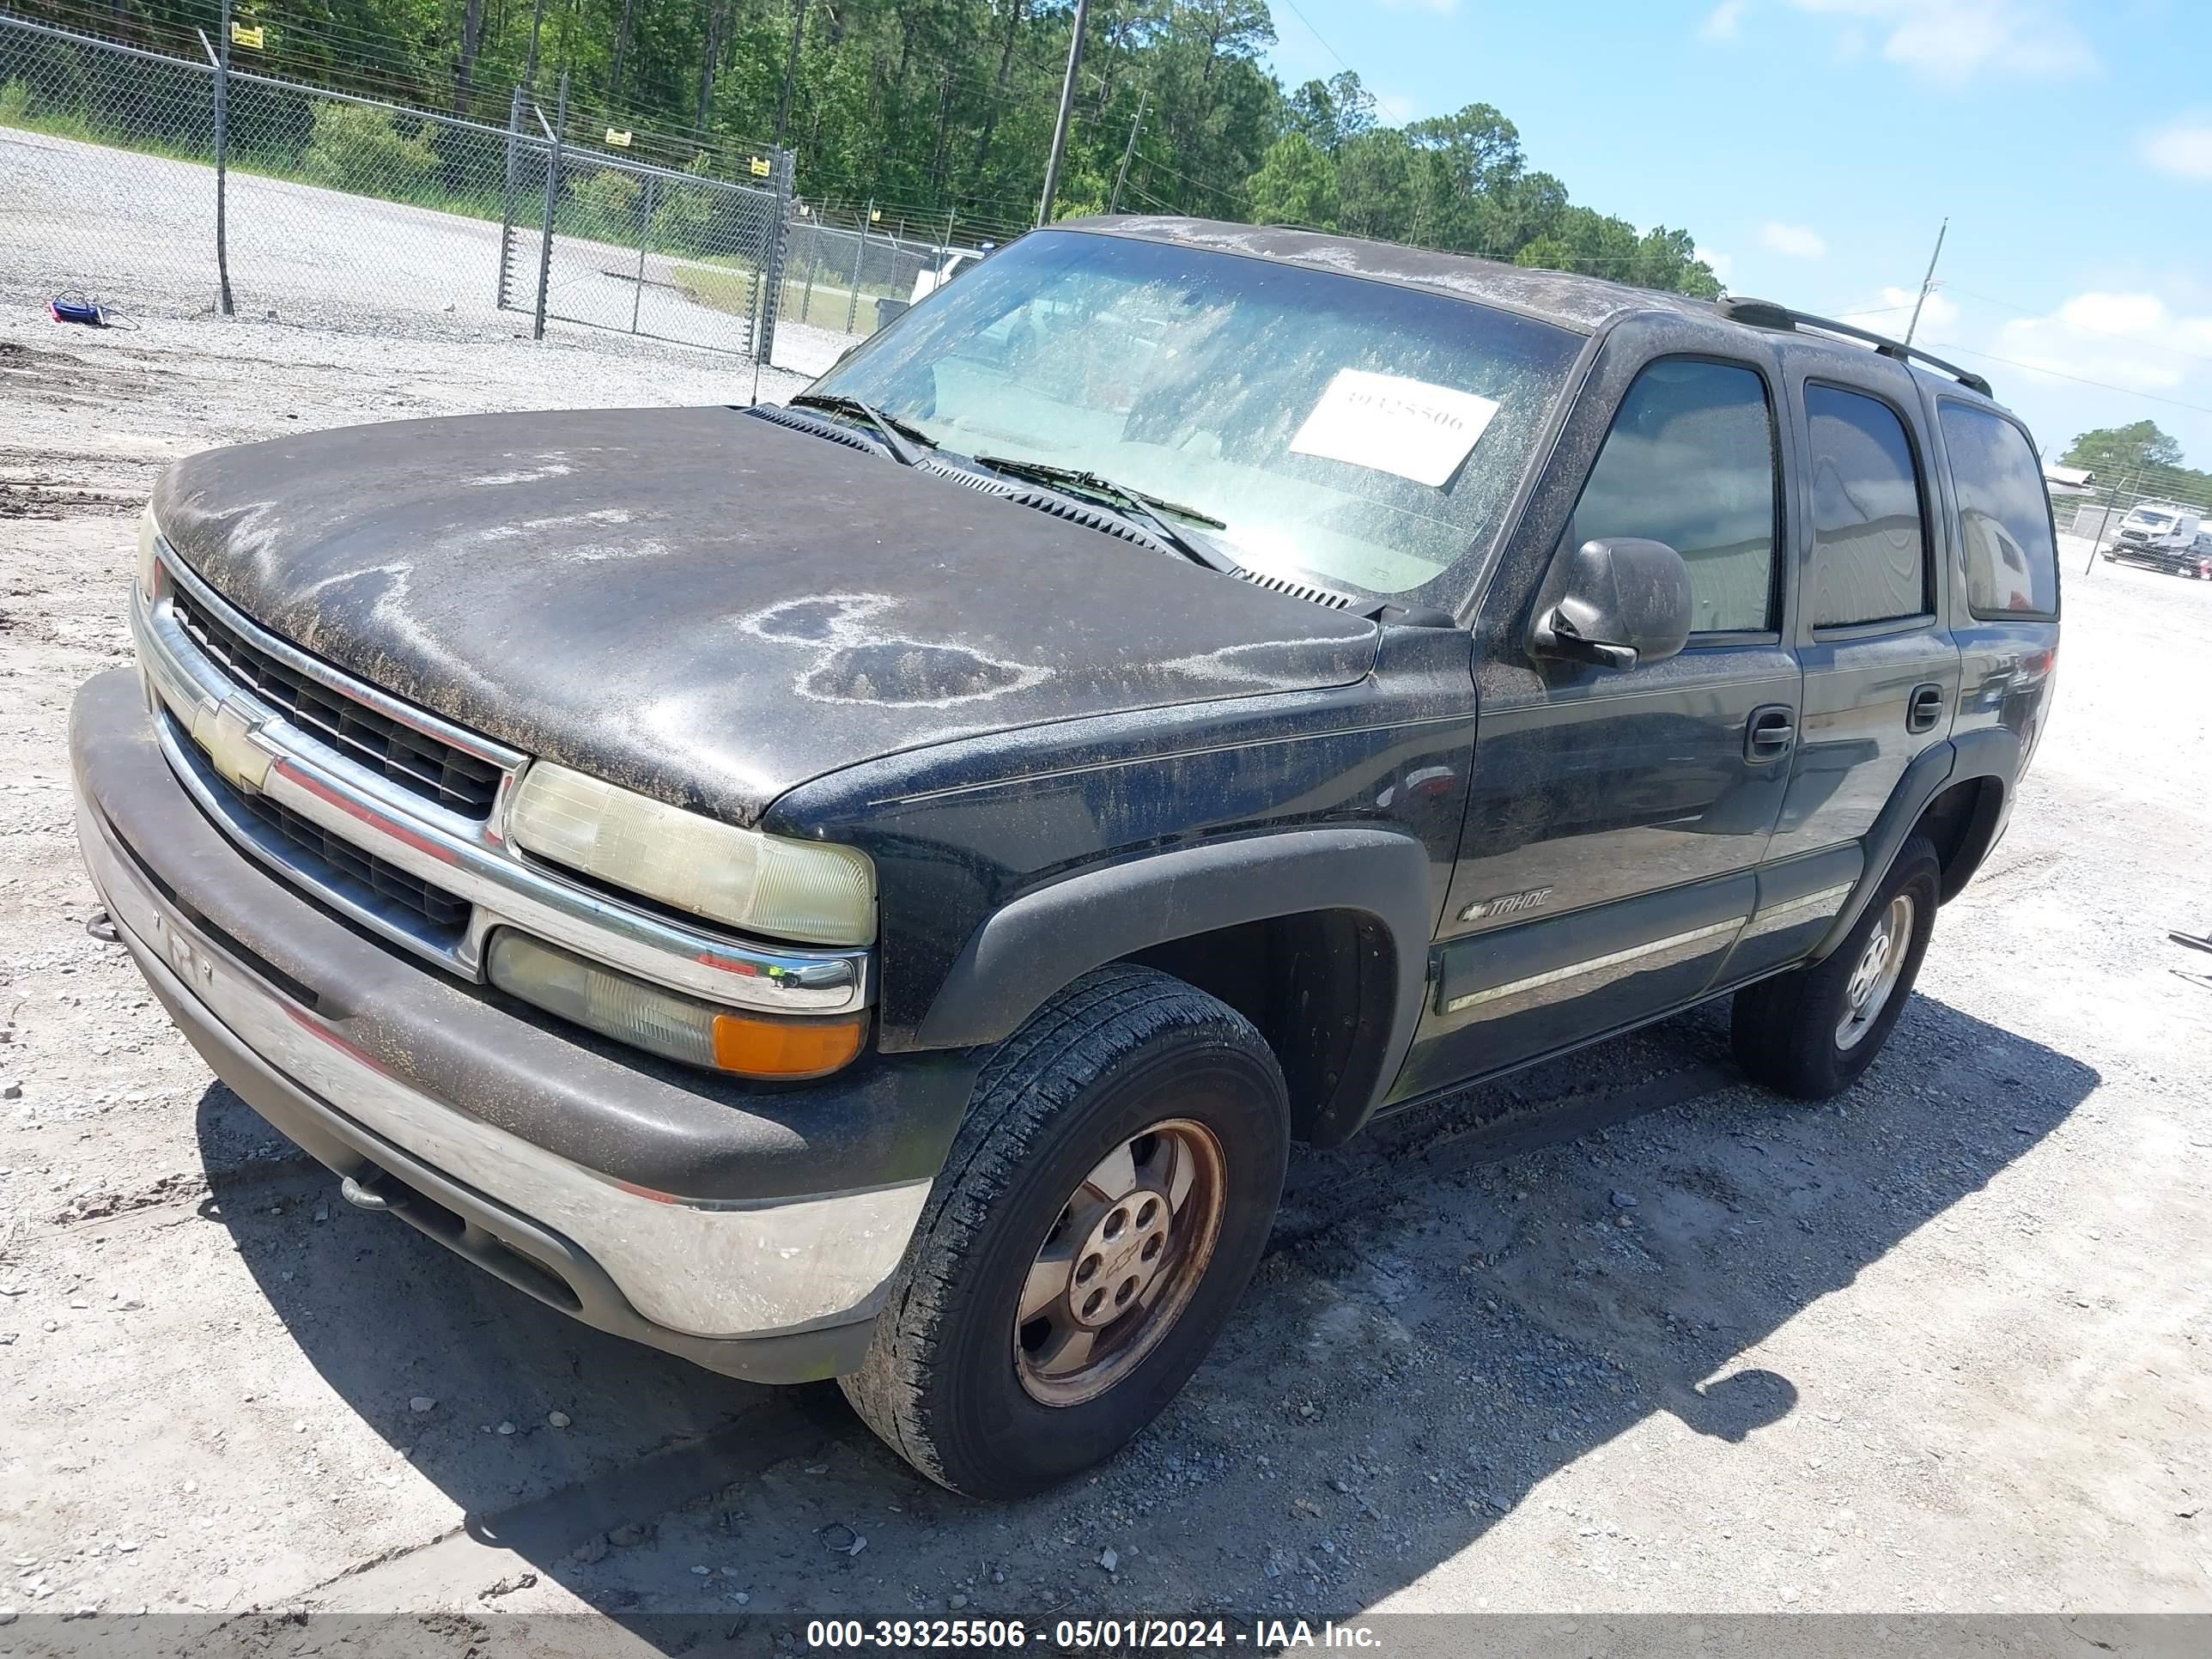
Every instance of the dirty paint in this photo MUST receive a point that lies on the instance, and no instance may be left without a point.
(710, 608)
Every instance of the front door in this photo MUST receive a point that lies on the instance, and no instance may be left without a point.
(1616, 816)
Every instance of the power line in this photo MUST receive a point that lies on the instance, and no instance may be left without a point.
(1316, 34)
(2079, 379)
(2086, 328)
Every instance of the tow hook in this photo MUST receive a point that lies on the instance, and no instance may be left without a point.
(101, 926)
(368, 1194)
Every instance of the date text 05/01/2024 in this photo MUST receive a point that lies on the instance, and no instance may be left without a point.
(1090, 1634)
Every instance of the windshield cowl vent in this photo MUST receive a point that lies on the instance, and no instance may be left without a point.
(1047, 501)
(815, 425)
(1306, 591)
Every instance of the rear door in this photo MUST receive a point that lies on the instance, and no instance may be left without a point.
(2005, 602)
(1615, 817)
(1881, 669)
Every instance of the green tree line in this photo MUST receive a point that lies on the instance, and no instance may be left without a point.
(2139, 459)
(937, 110)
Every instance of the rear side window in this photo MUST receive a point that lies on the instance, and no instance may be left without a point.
(2004, 516)
(1690, 462)
(1869, 544)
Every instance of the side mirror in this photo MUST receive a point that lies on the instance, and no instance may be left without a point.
(1617, 602)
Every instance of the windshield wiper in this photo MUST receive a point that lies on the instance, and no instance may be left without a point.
(1133, 503)
(904, 440)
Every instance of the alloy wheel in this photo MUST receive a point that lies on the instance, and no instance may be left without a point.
(1118, 1266)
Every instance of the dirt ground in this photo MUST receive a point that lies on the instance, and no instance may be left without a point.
(1941, 1345)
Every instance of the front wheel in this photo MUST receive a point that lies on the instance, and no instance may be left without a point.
(1811, 1032)
(1102, 1208)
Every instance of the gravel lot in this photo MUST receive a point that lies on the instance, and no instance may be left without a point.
(1941, 1345)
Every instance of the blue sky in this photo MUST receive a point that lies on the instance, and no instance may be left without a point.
(1814, 146)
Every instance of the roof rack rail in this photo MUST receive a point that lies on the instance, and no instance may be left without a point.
(1764, 313)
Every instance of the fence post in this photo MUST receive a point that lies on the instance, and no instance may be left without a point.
(552, 202)
(644, 239)
(779, 233)
(507, 198)
(220, 58)
(813, 261)
(860, 254)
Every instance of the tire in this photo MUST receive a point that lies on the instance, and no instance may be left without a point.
(986, 1405)
(1804, 1033)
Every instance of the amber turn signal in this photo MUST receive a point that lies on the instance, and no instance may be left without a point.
(663, 1022)
(785, 1048)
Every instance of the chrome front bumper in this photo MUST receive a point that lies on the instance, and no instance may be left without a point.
(689, 1268)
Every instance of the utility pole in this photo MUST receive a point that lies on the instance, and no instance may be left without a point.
(530, 68)
(790, 69)
(1067, 108)
(1927, 282)
(1129, 150)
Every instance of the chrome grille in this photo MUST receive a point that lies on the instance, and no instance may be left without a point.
(460, 782)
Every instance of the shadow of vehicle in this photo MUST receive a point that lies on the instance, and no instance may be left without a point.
(1456, 1306)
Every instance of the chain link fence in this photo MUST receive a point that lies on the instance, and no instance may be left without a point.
(2098, 516)
(641, 249)
(852, 279)
(352, 213)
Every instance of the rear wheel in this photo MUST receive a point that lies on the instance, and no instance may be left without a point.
(1810, 1033)
(1103, 1207)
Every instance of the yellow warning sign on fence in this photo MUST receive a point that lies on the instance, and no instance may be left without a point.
(242, 36)
(618, 137)
(760, 167)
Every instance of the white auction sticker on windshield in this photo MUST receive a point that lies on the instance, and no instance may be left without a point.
(1391, 424)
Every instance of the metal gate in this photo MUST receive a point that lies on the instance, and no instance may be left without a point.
(597, 239)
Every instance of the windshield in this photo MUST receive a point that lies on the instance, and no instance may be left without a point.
(2152, 520)
(1353, 431)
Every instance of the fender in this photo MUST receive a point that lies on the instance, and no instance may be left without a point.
(1923, 780)
(1994, 752)
(1991, 753)
(1025, 951)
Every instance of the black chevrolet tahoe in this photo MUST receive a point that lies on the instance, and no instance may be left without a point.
(873, 887)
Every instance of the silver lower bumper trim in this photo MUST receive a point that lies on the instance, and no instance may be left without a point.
(702, 1269)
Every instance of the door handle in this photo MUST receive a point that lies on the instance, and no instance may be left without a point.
(1770, 733)
(1924, 708)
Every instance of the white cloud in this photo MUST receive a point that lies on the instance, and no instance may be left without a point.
(1954, 40)
(1792, 241)
(1724, 22)
(2130, 340)
(2183, 148)
(1720, 263)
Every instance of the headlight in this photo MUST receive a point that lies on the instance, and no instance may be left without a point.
(816, 892)
(664, 1022)
(149, 534)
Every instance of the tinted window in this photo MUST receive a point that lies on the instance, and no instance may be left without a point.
(2004, 515)
(1869, 548)
(1690, 462)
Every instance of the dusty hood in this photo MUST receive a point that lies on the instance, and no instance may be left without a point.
(707, 607)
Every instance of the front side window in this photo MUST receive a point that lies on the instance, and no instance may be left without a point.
(1869, 545)
(2004, 514)
(1359, 433)
(1690, 462)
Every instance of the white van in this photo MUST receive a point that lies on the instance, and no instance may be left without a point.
(2160, 534)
